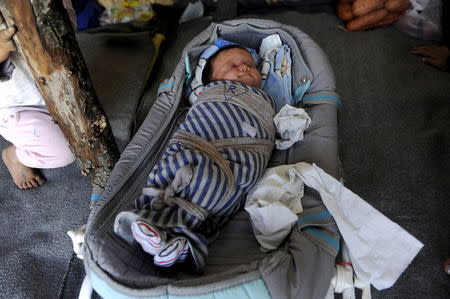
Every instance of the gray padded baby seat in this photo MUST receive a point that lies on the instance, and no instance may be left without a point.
(301, 268)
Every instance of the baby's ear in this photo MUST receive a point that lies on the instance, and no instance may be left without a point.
(206, 75)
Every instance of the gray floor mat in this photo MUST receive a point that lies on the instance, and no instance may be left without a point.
(34, 248)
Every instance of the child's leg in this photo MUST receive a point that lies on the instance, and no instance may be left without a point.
(37, 143)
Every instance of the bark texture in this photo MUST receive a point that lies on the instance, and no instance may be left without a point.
(46, 40)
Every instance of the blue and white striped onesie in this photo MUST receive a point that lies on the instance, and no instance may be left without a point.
(209, 164)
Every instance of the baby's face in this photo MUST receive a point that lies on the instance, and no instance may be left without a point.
(235, 65)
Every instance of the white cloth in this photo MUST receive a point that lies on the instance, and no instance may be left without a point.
(19, 93)
(380, 250)
(291, 123)
(268, 45)
(273, 204)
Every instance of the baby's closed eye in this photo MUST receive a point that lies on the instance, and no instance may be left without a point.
(229, 66)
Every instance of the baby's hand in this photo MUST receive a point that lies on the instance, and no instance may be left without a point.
(6, 43)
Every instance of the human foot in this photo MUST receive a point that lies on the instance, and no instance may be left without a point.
(23, 176)
(176, 250)
(150, 237)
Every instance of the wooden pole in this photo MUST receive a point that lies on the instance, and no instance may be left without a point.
(47, 42)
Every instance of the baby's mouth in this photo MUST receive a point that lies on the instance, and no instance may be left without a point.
(246, 75)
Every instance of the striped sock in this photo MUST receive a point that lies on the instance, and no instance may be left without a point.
(150, 237)
(176, 250)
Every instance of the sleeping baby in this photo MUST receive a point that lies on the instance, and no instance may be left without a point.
(215, 156)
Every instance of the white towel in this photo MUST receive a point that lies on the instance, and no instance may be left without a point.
(291, 123)
(273, 204)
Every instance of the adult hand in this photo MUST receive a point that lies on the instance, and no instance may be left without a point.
(6, 43)
(433, 55)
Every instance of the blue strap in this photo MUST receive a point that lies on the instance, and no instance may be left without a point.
(300, 91)
(314, 217)
(187, 65)
(167, 85)
(323, 97)
(319, 234)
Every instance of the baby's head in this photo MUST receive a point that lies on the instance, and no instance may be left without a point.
(232, 63)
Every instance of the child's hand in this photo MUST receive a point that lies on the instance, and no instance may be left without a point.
(6, 43)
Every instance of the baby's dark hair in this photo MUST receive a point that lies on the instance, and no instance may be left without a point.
(207, 71)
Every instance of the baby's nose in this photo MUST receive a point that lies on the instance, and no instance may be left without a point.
(243, 67)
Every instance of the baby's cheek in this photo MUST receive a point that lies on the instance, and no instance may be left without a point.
(258, 77)
(231, 76)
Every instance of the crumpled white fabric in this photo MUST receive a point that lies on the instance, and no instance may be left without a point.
(268, 44)
(380, 250)
(273, 204)
(291, 123)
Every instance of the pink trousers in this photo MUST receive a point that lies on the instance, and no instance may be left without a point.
(39, 142)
